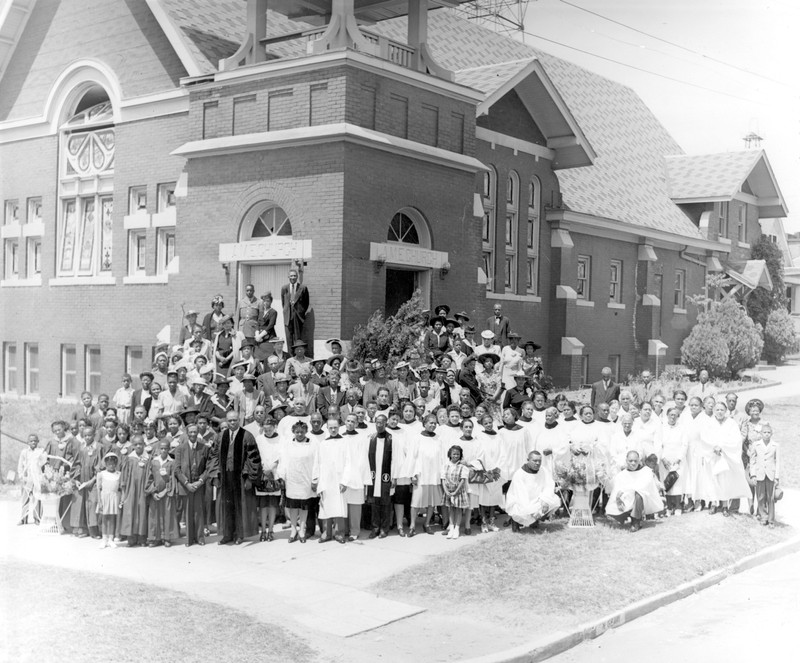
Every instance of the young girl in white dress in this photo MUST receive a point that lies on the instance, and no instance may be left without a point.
(108, 499)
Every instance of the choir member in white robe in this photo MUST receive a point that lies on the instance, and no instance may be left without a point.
(427, 493)
(330, 476)
(622, 441)
(296, 413)
(531, 424)
(691, 421)
(515, 442)
(649, 429)
(722, 477)
(296, 468)
(490, 455)
(673, 458)
(408, 427)
(552, 439)
(531, 495)
(358, 476)
(269, 448)
(469, 446)
(634, 493)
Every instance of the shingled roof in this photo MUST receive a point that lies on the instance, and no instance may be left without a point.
(627, 182)
(707, 176)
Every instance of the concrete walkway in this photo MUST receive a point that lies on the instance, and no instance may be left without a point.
(788, 374)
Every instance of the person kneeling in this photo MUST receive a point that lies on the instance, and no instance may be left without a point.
(531, 495)
(634, 493)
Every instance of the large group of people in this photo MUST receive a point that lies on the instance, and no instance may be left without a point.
(230, 434)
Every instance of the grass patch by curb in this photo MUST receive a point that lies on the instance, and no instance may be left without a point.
(52, 614)
(556, 577)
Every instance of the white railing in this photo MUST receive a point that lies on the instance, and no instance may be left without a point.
(385, 48)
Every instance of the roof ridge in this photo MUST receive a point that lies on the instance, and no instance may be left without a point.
(757, 152)
(533, 58)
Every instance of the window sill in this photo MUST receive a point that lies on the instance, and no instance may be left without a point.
(138, 279)
(679, 311)
(32, 282)
(616, 305)
(165, 219)
(30, 397)
(10, 230)
(725, 240)
(82, 280)
(67, 401)
(33, 229)
(533, 299)
(9, 396)
(136, 221)
(743, 245)
(584, 302)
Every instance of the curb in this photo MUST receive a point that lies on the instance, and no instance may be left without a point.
(545, 648)
(767, 385)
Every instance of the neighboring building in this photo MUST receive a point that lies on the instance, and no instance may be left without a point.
(790, 250)
(167, 159)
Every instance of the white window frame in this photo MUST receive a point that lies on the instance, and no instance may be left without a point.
(615, 364)
(532, 237)
(615, 281)
(92, 375)
(130, 360)
(34, 256)
(489, 224)
(10, 369)
(11, 259)
(163, 254)
(166, 196)
(511, 232)
(137, 239)
(11, 212)
(722, 220)
(97, 265)
(585, 292)
(30, 370)
(137, 200)
(65, 373)
(34, 214)
(584, 369)
(679, 294)
(742, 224)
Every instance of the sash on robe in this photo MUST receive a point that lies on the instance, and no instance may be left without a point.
(381, 484)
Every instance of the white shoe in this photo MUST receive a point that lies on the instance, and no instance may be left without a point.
(455, 533)
(103, 544)
(450, 534)
(112, 544)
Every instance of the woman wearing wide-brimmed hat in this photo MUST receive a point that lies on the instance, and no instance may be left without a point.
(511, 360)
(491, 383)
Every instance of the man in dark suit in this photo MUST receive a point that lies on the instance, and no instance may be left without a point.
(266, 328)
(295, 300)
(604, 390)
(331, 394)
(192, 459)
(499, 324)
(142, 396)
(239, 465)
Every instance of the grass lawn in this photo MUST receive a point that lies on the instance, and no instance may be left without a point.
(547, 579)
(784, 415)
(50, 614)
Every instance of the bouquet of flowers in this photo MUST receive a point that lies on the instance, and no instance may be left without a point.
(583, 467)
(56, 482)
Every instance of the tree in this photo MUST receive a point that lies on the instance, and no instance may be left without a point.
(392, 338)
(727, 324)
(780, 337)
(762, 302)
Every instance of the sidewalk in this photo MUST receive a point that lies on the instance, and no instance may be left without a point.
(789, 377)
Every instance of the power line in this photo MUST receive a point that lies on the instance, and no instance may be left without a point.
(674, 44)
(647, 71)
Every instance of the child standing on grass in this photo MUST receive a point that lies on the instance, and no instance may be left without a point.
(108, 499)
(454, 485)
(765, 467)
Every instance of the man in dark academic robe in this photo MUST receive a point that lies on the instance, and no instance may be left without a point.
(379, 491)
(192, 460)
(295, 302)
(239, 464)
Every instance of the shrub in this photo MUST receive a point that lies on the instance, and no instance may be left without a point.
(761, 302)
(742, 335)
(705, 348)
(780, 337)
(390, 338)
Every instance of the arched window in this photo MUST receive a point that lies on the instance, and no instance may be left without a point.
(402, 229)
(511, 231)
(86, 184)
(272, 221)
(532, 236)
(489, 218)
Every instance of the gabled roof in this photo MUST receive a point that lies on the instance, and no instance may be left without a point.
(13, 17)
(719, 177)
(542, 101)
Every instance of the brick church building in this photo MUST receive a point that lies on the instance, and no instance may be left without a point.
(183, 148)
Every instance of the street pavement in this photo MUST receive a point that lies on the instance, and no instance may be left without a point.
(788, 374)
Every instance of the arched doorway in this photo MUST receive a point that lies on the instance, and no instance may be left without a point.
(267, 223)
(407, 227)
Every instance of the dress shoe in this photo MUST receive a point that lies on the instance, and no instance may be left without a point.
(222, 542)
(270, 536)
(151, 544)
(383, 535)
(263, 536)
(237, 541)
(188, 543)
(338, 538)
(22, 522)
(323, 539)
(201, 542)
(167, 544)
(412, 533)
(374, 533)
(293, 538)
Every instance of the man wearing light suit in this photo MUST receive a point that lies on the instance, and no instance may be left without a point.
(295, 301)
(765, 467)
(604, 390)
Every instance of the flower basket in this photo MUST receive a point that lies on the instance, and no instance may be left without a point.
(580, 508)
(50, 522)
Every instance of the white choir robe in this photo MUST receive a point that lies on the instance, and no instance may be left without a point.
(673, 458)
(358, 474)
(619, 446)
(533, 427)
(449, 435)
(515, 443)
(641, 481)
(296, 467)
(330, 472)
(650, 433)
(692, 428)
(427, 460)
(554, 440)
(732, 483)
(490, 454)
(531, 496)
(284, 428)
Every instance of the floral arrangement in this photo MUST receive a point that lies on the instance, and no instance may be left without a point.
(582, 468)
(56, 482)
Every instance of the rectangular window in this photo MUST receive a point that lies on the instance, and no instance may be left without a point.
(743, 223)
(166, 196)
(31, 368)
(532, 237)
(723, 219)
(92, 373)
(11, 214)
(10, 367)
(511, 231)
(615, 282)
(34, 256)
(11, 259)
(614, 362)
(680, 288)
(69, 371)
(134, 360)
(34, 210)
(86, 234)
(531, 274)
(584, 369)
(166, 248)
(137, 199)
(509, 272)
(137, 252)
(584, 277)
(486, 232)
(489, 191)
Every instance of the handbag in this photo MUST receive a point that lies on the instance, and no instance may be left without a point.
(479, 474)
(670, 480)
(777, 493)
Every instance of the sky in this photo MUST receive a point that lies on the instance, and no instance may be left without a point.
(712, 71)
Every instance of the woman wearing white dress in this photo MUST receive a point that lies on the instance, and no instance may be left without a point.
(359, 475)
(511, 357)
(296, 468)
(649, 429)
(692, 421)
(490, 452)
(673, 458)
(269, 447)
(408, 427)
(427, 492)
